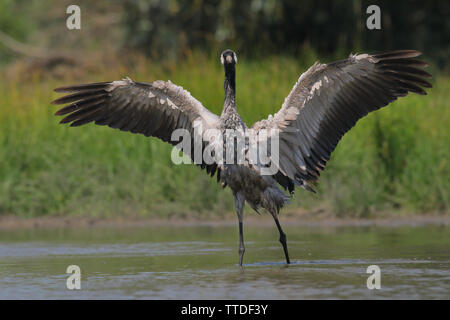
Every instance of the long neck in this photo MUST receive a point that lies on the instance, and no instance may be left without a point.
(230, 87)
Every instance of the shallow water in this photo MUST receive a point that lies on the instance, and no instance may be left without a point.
(201, 263)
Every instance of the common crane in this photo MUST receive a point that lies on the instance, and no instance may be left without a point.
(323, 105)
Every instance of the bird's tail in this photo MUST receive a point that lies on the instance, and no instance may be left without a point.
(274, 199)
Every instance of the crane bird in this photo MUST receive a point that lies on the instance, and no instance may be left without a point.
(327, 100)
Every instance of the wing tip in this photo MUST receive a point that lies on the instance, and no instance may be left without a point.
(64, 121)
(61, 89)
(407, 53)
(84, 86)
(58, 101)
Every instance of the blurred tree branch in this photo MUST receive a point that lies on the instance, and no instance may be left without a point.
(46, 58)
(22, 48)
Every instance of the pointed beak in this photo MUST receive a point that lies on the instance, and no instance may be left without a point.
(229, 59)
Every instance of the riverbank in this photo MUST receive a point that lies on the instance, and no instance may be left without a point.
(265, 220)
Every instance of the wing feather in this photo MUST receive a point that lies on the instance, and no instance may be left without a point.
(328, 100)
(149, 108)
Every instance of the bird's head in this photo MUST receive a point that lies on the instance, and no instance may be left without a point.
(228, 57)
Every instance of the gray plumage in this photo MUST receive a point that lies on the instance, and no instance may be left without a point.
(324, 104)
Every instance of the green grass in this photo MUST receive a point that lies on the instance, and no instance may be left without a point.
(394, 160)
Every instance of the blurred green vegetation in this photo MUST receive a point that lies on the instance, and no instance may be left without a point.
(171, 28)
(16, 28)
(396, 159)
(259, 27)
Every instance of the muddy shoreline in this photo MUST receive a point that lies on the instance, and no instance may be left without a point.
(52, 222)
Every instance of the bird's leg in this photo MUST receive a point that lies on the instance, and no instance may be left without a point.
(241, 242)
(239, 204)
(282, 238)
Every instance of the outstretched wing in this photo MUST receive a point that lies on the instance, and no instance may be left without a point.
(329, 99)
(151, 108)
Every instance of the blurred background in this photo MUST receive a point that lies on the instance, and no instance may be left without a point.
(394, 162)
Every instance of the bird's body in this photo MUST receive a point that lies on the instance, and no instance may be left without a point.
(326, 102)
